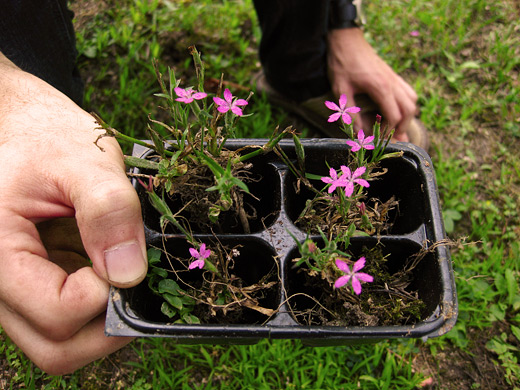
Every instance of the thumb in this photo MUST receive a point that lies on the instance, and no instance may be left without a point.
(109, 219)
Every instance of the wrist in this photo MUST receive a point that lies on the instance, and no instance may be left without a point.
(342, 38)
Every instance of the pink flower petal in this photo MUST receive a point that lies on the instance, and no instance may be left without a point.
(180, 92)
(219, 101)
(241, 102)
(362, 182)
(343, 100)
(356, 285)
(343, 266)
(334, 117)
(367, 140)
(359, 171)
(227, 95)
(235, 110)
(346, 171)
(341, 281)
(365, 277)
(199, 95)
(354, 145)
(197, 263)
(353, 109)
(194, 253)
(346, 118)
(359, 264)
(332, 106)
(349, 189)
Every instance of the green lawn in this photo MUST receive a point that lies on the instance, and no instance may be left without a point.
(465, 66)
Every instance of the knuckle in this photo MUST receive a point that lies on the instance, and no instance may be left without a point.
(409, 108)
(110, 200)
(53, 363)
(57, 329)
(82, 297)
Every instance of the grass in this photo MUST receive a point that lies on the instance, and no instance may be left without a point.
(464, 65)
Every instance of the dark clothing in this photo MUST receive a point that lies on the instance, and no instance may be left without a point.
(293, 47)
(38, 37)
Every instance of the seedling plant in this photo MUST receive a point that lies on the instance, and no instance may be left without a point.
(196, 184)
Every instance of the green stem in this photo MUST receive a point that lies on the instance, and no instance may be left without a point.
(273, 141)
(160, 205)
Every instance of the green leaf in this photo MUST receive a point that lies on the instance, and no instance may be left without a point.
(212, 164)
(453, 214)
(312, 176)
(159, 204)
(516, 331)
(300, 152)
(161, 272)
(173, 300)
(158, 141)
(497, 312)
(511, 285)
(470, 65)
(168, 286)
(132, 161)
(162, 95)
(190, 319)
(154, 255)
(240, 184)
(90, 51)
(168, 310)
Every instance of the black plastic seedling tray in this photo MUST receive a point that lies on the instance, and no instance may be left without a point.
(417, 224)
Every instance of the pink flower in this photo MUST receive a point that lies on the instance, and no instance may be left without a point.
(188, 95)
(226, 104)
(354, 277)
(200, 255)
(414, 33)
(348, 179)
(333, 180)
(361, 142)
(342, 110)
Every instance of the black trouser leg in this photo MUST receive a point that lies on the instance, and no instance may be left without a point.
(38, 37)
(293, 46)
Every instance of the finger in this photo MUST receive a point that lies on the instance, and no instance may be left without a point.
(368, 113)
(61, 357)
(108, 214)
(406, 99)
(410, 92)
(53, 302)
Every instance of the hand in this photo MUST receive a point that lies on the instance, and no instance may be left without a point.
(51, 168)
(355, 68)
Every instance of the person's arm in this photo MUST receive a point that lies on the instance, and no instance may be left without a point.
(52, 169)
(355, 68)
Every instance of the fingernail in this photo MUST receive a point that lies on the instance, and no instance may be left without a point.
(125, 264)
